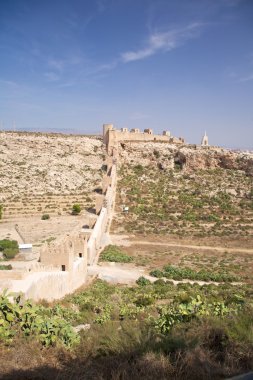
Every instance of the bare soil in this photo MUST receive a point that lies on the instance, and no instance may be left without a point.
(157, 251)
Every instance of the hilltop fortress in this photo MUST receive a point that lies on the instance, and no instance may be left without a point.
(66, 248)
(111, 137)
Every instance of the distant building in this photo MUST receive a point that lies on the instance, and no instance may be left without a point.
(204, 141)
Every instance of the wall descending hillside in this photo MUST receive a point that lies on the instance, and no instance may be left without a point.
(96, 240)
(63, 262)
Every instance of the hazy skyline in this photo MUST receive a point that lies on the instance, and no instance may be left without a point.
(184, 66)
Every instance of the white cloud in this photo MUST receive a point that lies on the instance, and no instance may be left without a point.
(165, 41)
(51, 77)
(56, 64)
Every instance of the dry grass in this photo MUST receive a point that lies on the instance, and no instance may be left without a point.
(204, 349)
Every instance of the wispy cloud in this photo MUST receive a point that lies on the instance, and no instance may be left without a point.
(56, 64)
(165, 41)
(9, 83)
(51, 77)
(246, 79)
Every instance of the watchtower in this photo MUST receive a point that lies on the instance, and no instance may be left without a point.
(106, 128)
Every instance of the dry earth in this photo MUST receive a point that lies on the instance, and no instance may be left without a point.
(47, 173)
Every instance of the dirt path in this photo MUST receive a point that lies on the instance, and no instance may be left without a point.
(117, 274)
(124, 240)
(221, 249)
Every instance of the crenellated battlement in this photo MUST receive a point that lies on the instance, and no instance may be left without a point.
(111, 136)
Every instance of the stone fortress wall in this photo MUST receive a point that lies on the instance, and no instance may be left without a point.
(62, 267)
(105, 209)
(63, 264)
(111, 136)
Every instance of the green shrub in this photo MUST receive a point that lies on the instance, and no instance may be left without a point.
(9, 248)
(25, 318)
(5, 267)
(10, 253)
(144, 300)
(45, 217)
(160, 282)
(156, 273)
(5, 243)
(142, 281)
(76, 209)
(112, 253)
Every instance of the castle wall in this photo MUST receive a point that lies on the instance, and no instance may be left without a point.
(63, 262)
(96, 240)
(115, 136)
(52, 284)
(44, 285)
(49, 279)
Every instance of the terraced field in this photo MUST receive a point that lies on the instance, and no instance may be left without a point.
(47, 173)
(205, 203)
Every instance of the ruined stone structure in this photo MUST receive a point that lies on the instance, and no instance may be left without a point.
(111, 137)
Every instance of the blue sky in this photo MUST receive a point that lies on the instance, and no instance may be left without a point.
(184, 66)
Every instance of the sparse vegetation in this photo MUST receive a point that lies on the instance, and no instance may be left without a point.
(175, 273)
(76, 209)
(114, 254)
(154, 331)
(163, 202)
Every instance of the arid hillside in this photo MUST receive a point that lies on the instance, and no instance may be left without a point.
(184, 192)
(47, 173)
(187, 157)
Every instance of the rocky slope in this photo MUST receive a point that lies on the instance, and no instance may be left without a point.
(188, 157)
(47, 169)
